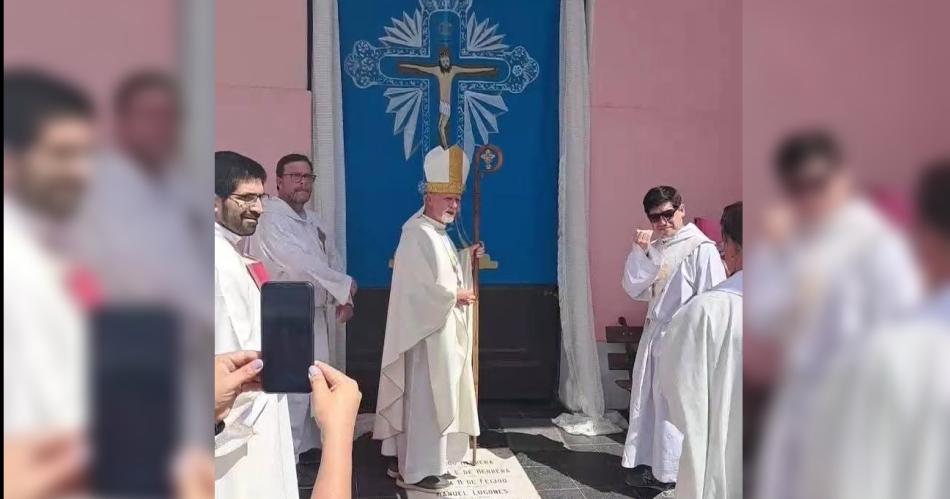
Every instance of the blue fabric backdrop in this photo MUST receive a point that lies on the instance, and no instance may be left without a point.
(390, 121)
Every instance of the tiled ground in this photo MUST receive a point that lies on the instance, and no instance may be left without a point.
(560, 465)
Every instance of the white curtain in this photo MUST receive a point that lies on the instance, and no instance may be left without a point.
(581, 389)
(329, 199)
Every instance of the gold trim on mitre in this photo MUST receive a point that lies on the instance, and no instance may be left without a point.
(455, 184)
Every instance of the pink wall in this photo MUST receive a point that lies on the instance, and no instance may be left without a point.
(80, 40)
(665, 109)
(262, 101)
(875, 71)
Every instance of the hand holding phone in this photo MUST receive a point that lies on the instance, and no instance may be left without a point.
(335, 400)
(234, 373)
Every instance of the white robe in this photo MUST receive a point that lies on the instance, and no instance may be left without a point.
(881, 427)
(254, 455)
(145, 240)
(426, 408)
(821, 296)
(291, 249)
(700, 376)
(668, 275)
(44, 335)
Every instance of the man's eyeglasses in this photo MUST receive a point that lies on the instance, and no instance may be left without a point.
(244, 200)
(663, 215)
(301, 177)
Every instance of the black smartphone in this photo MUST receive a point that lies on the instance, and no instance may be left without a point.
(135, 400)
(287, 312)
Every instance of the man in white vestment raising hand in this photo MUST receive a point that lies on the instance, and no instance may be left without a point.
(427, 410)
(667, 266)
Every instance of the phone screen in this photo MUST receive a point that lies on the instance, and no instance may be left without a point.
(135, 406)
(287, 311)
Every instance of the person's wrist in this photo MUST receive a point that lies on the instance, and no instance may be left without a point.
(220, 413)
(335, 436)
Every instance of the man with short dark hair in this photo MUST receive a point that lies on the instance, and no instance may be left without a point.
(142, 212)
(296, 245)
(885, 405)
(699, 374)
(666, 271)
(146, 110)
(47, 142)
(254, 454)
(933, 227)
(830, 269)
(48, 138)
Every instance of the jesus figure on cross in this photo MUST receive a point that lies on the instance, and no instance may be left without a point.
(445, 72)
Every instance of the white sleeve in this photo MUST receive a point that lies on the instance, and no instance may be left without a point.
(709, 270)
(241, 422)
(276, 243)
(640, 272)
(895, 280)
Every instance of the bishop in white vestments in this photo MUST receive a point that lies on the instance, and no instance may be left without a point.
(699, 374)
(294, 245)
(254, 455)
(681, 263)
(426, 410)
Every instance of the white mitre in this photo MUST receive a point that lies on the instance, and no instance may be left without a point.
(446, 170)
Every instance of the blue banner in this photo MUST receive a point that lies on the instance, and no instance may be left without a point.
(472, 72)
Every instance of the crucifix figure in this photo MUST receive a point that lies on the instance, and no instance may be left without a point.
(445, 72)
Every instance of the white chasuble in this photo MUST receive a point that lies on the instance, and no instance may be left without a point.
(700, 378)
(426, 408)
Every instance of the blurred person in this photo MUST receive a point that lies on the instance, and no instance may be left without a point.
(335, 400)
(426, 409)
(254, 454)
(294, 245)
(47, 152)
(699, 372)
(830, 270)
(880, 429)
(141, 231)
(139, 228)
(667, 272)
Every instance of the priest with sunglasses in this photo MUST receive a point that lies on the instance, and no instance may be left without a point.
(667, 266)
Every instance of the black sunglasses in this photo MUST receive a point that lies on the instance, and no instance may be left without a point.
(804, 186)
(663, 215)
